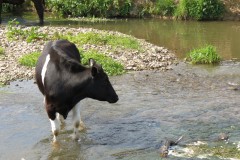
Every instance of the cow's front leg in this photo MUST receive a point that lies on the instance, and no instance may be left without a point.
(77, 123)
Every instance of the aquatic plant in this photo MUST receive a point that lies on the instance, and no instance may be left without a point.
(225, 151)
(204, 55)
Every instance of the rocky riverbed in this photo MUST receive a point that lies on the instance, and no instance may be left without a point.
(149, 57)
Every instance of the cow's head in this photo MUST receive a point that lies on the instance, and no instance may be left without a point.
(101, 88)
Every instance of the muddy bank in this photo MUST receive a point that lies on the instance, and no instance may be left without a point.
(149, 57)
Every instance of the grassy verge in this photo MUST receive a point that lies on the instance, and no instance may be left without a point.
(204, 55)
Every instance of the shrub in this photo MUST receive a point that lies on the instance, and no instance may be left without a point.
(165, 7)
(199, 9)
(97, 8)
(205, 55)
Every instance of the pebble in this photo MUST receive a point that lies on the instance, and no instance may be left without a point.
(149, 57)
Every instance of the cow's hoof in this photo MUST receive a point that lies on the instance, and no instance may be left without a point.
(75, 136)
(56, 144)
(82, 126)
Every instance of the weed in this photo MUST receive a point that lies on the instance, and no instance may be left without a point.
(205, 55)
(29, 60)
(110, 66)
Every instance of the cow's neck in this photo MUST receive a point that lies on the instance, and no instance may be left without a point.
(81, 81)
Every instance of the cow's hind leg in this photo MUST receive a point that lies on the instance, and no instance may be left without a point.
(53, 120)
(77, 123)
(60, 120)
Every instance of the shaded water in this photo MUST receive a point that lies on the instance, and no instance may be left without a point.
(195, 101)
(179, 36)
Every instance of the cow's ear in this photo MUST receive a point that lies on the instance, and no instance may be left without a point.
(92, 62)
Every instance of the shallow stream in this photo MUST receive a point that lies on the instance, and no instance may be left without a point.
(196, 102)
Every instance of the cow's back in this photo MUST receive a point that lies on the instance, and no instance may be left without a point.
(55, 49)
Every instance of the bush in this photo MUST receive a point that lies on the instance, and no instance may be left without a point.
(205, 55)
(199, 9)
(165, 7)
(90, 8)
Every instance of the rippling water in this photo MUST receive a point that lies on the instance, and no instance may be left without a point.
(197, 102)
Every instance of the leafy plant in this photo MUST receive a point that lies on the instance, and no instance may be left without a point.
(205, 55)
(199, 9)
(29, 60)
(110, 66)
(165, 7)
(90, 8)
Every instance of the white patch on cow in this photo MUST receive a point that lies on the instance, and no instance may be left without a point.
(44, 69)
(76, 120)
(55, 128)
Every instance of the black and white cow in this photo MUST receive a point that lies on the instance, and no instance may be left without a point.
(64, 82)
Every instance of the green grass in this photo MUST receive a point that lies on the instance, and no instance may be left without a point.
(29, 60)
(14, 32)
(205, 55)
(2, 50)
(101, 39)
(110, 66)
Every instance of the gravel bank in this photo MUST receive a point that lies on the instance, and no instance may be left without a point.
(150, 57)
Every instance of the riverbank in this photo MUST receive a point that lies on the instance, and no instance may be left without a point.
(149, 57)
